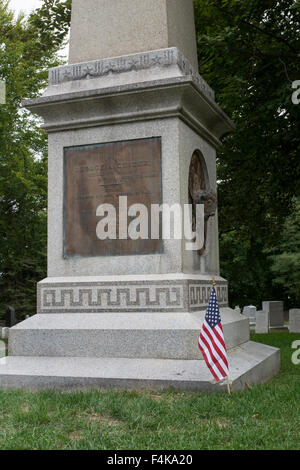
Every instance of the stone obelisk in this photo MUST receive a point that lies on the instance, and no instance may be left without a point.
(129, 117)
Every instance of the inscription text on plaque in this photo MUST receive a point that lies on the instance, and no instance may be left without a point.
(100, 174)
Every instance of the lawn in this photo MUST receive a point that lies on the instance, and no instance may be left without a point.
(265, 417)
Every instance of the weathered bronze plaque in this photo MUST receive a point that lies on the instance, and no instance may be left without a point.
(101, 174)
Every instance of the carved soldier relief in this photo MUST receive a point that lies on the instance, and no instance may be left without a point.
(200, 193)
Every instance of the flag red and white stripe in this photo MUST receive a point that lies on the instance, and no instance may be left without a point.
(211, 341)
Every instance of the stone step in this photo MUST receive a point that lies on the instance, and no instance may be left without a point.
(127, 335)
(251, 362)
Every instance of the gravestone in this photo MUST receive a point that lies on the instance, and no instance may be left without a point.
(2, 348)
(250, 312)
(262, 322)
(294, 317)
(10, 317)
(130, 117)
(275, 309)
(5, 333)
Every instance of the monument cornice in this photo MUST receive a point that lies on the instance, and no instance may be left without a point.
(178, 97)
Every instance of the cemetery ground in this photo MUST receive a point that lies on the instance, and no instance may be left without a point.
(262, 417)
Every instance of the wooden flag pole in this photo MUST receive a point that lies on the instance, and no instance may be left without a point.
(227, 380)
(228, 386)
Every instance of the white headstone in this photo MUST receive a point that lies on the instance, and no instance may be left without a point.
(250, 312)
(2, 349)
(294, 315)
(262, 322)
(5, 333)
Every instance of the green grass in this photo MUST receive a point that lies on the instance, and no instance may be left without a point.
(265, 417)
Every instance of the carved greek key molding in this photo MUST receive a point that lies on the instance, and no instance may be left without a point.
(199, 296)
(178, 296)
(110, 298)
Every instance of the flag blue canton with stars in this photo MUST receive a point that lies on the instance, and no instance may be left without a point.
(213, 316)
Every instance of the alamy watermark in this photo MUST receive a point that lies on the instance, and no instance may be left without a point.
(161, 221)
(2, 92)
(296, 94)
(296, 354)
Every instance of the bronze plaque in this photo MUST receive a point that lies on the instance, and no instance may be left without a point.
(99, 174)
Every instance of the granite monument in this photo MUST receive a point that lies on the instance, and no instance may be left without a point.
(129, 116)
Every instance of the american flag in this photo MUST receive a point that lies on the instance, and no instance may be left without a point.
(211, 341)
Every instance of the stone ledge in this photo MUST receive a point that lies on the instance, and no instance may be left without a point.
(252, 363)
(167, 98)
(131, 335)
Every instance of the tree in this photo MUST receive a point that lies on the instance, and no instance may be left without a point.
(249, 53)
(27, 50)
(286, 257)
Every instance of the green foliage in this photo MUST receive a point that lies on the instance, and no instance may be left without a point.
(248, 274)
(249, 53)
(53, 21)
(286, 261)
(27, 50)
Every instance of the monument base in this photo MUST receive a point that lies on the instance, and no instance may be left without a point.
(135, 350)
(121, 335)
(250, 363)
